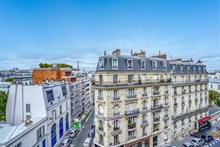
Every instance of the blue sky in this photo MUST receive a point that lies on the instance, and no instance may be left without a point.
(64, 31)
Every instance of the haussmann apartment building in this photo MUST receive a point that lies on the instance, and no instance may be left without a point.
(148, 101)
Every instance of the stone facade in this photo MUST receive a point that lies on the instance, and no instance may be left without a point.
(147, 101)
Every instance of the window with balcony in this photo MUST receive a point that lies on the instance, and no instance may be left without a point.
(101, 141)
(182, 110)
(114, 63)
(130, 64)
(115, 79)
(131, 134)
(164, 63)
(144, 118)
(101, 79)
(166, 101)
(183, 122)
(116, 123)
(131, 93)
(165, 124)
(143, 64)
(188, 68)
(131, 108)
(166, 89)
(154, 64)
(181, 68)
(143, 78)
(130, 78)
(155, 127)
(144, 104)
(155, 90)
(100, 95)
(116, 139)
(175, 124)
(175, 112)
(144, 131)
(115, 95)
(101, 63)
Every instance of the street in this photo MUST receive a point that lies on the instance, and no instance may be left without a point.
(80, 138)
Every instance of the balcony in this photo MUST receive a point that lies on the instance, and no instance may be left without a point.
(129, 83)
(144, 95)
(116, 98)
(156, 119)
(116, 113)
(201, 109)
(131, 125)
(183, 103)
(175, 104)
(155, 129)
(156, 93)
(116, 143)
(165, 127)
(144, 123)
(100, 128)
(132, 112)
(166, 117)
(166, 105)
(156, 107)
(131, 96)
(116, 131)
(131, 137)
(100, 97)
(166, 91)
(101, 142)
(190, 82)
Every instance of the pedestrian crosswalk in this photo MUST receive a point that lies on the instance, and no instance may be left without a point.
(214, 143)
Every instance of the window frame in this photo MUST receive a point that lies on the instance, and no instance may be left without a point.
(101, 59)
(131, 64)
(113, 63)
(143, 68)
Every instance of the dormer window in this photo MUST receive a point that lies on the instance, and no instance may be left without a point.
(130, 64)
(143, 64)
(164, 63)
(174, 67)
(188, 67)
(114, 63)
(181, 67)
(199, 67)
(154, 64)
(101, 63)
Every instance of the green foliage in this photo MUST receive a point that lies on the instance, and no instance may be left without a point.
(129, 121)
(8, 79)
(62, 65)
(45, 65)
(214, 96)
(3, 102)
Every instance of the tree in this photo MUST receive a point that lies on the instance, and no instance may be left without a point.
(3, 103)
(45, 65)
(214, 97)
(8, 79)
(64, 65)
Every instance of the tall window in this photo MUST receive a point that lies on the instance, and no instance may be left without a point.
(143, 64)
(130, 64)
(130, 78)
(174, 67)
(28, 107)
(154, 64)
(116, 139)
(40, 132)
(218, 87)
(164, 64)
(116, 109)
(115, 95)
(61, 109)
(144, 131)
(211, 86)
(144, 103)
(115, 79)
(131, 93)
(145, 90)
(101, 63)
(181, 67)
(115, 63)
(165, 136)
(101, 79)
(100, 96)
(116, 124)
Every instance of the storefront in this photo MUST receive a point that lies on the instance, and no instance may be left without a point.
(144, 142)
(204, 123)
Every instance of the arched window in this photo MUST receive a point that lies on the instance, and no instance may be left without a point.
(53, 135)
(67, 121)
(61, 127)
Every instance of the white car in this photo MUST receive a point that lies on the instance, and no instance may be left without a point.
(198, 142)
(66, 142)
(87, 142)
(73, 133)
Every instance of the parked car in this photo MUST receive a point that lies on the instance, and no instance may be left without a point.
(188, 144)
(93, 125)
(87, 142)
(66, 142)
(198, 142)
(206, 137)
(91, 133)
(73, 133)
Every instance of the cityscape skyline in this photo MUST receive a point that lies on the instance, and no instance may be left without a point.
(34, 32)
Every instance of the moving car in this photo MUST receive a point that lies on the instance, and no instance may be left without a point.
(73, 133)
(198, 142)
(66, 142)
(207, 137)
(188, 144)
(87, 142)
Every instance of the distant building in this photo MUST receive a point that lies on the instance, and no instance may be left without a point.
(4, 86)
(214, 75)
(36, 115)
(214, 84)
(42, 75)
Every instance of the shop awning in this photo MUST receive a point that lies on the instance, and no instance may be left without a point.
(204, 119)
